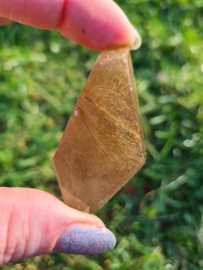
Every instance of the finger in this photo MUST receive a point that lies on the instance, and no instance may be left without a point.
(34, 222)
(4, 21)
(94, 24)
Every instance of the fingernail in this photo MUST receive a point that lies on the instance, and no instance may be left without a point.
(85, 239)
(138, 41)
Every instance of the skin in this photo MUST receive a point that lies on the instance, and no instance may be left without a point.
(94, 24)
(31, 220)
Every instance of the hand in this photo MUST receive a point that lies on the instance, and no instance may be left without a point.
(34, 222)
(95, 24)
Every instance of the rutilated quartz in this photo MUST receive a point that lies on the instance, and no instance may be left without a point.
(103, 144)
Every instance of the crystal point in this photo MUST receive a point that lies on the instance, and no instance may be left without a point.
(103, 144)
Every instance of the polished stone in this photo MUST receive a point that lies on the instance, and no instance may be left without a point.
(103, 144)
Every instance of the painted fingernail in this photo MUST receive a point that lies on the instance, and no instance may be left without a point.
(85, 239)
(138, 41)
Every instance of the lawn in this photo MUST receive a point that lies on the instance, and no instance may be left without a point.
(157, 216)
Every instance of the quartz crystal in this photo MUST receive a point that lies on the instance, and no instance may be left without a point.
(103, 144)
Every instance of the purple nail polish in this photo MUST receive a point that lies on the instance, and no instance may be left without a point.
(85, 239)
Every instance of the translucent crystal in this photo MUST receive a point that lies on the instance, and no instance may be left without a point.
(103, 144)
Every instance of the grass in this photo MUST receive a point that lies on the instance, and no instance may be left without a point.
(157, 216)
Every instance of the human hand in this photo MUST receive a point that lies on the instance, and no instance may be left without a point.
(34, 222)
(95, 24)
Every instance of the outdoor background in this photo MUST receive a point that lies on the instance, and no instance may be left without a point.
(157, 216)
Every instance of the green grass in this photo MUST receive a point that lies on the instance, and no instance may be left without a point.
(157, 216)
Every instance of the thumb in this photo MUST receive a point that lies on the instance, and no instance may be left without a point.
(34, 222)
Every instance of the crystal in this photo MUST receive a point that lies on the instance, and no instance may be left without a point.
(103, 144)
